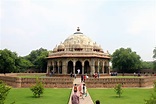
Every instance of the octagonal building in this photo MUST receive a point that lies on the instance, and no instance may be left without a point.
(78, 52)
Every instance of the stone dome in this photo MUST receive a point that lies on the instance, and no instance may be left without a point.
(78, 41)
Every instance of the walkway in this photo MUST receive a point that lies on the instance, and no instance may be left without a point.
(86, 100)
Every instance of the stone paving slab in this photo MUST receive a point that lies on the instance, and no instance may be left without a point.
(86, 100)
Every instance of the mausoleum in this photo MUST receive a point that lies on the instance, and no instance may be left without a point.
(78, 52)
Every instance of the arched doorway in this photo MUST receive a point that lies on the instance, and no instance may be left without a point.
(55, 67)
(78, 66)
(86, 67)
(96, 66)
(105, 68)
(70, 67)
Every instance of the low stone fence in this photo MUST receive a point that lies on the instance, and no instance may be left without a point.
(126, 82)
(52, 82)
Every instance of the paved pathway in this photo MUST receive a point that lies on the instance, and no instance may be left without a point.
(86, 100)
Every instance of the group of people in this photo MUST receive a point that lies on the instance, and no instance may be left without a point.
(79, 91)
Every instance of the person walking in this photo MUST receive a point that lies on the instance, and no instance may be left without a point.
(75, 98)
(84, 90)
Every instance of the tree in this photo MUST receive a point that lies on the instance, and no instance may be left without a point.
(118, 90)
(4, 90)
(8, 60)
(146, 65)
(23, 64)
(125, 60)
(154, 57)
(38, 59)
(37, 89)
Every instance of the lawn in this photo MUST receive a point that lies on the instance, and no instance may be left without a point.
(50, 96)
(61, 96)
(129, 96)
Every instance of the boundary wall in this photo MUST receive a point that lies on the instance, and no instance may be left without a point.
(126, 82)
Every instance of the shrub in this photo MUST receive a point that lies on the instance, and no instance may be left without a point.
(118, 89)
(37, 89)
(4, 90)
(152, 99)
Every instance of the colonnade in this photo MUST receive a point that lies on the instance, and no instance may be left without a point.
(87, 66)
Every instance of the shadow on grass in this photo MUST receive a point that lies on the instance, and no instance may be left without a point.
(34, 97)
(121, 97)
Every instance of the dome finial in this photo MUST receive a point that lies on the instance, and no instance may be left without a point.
(78, 29)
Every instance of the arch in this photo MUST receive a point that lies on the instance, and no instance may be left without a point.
(70, 67)
(78, 66)
(87, 67)
(105, 67)
(96, 66)
(55, 67)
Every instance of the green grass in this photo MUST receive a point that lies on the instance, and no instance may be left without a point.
(129, 96)
(50, 96)
(61, 96)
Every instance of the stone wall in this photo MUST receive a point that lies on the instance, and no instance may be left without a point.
(126, 82)
(67, 82)
(18, 82)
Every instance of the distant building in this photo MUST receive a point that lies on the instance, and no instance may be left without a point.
(78, 52)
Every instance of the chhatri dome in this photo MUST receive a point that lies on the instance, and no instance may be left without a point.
(78, 52)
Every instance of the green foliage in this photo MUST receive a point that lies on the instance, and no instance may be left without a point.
(11, 62)
(118, 89)
(38, 59)
(8, 61)
(125, 60)
(4, 90)
(152, 99)
(37, 89)
(146, 65)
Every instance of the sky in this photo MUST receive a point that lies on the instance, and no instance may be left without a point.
(27, 25)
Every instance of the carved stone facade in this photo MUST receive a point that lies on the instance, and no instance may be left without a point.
(78, 52)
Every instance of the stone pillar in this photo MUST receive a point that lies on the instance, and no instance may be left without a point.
(64, 67)
(82, 67)
(74, 67)
(92, 67)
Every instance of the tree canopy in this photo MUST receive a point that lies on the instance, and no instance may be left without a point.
(11, 62)
(125, 60)
(38, 59)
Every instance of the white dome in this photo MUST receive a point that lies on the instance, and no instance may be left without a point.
(78, 41)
